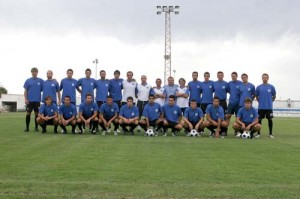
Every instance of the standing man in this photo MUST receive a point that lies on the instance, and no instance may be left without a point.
(193, 118)
(143, 91)
(88, 112)
(170, 89)
(266, 94)
(32, 94)
(159, 92)
(115, 88)
(207, 90)
(171, 115)
(67, 115)
(129, 88)
(221, 89)
(247, 119)
(129, 116)
(48, 115)
(102, 86)
(182, 95)
(68, 85)
(151, 115)
(215, 118)
(87, 85)
(108, 115)
(246, 89)
(194, 87)
(51, 88)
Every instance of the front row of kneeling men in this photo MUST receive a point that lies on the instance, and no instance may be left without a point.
(153, 116)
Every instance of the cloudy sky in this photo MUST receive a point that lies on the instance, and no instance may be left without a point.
(253, 37)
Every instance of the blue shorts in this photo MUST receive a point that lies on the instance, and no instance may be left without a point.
(233, 109)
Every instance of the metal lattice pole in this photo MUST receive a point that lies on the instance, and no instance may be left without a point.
(167, 10)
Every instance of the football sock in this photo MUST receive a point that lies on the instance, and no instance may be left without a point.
(36, 124)
(63, 128)
(73, 128)
(270, 123)
(55, 128)
(27, 121)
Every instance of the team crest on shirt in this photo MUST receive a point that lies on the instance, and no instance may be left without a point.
(106, 85)
(196, 114)
(217, 114)
(73, 84)
(175, 112)
(156, 110)
(52, 110)
(112, 110)
(147, 87)
(237, 86)
(223, 87)
(38, 83)
(198, 86)
(132, 114)
(92, 83)
(269, 90)
(52, 85)
(251, 115)
(71, 113)
(132, 83)
(210, 86)
(249, 89)
(92, 109)
(120, 83)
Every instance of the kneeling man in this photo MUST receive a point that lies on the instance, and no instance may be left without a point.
(67, 115)
(129, 116)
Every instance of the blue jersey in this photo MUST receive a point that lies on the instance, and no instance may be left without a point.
(88, 110)
(152, 111)
(48, 110)
(265, 94)
(207, 90)
(193, 115)
(234, 97)
(221, 89)
(69, 88)
(247, 116)
(102, 86)
(67, 111)
(129, 112)
(50, 88)
(246, 90)
(169, 90)
(108, 111)
(215, 112)
(195, 90)
(34, 87)
(171, 113)
(87, 86)
(115, 89)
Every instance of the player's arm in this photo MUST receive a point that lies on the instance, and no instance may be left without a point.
(58, 97)
(41, 115)
(113, 118)
(239, 121)
(25, 96)
(102, 117)
(81, 117)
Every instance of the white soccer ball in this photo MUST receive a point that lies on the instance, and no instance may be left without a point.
(150, 132)
(246, 135)
(194, 133)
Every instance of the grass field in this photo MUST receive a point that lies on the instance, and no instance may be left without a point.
(35, 165)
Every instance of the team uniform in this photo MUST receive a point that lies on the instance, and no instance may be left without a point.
(246, 90)
(34, 87)
(129, 113)
(169, 90)
(247, 116)
(88, 110)
(182, 102)
(50, 111)
(108, 112)
(143, 92)
(50, 88)
(152, 112)
(172, 114)
(193, 116)
(129, 90)
(87, 86)
(195, 91)
(215, 113)
(159, 100)
(68, 112)
(115, 90)
(207, 90)
(68, 86)
(221, 90)
(234, 98)
(102, 86)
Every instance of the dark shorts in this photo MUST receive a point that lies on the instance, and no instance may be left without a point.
(233, 109)
(49, 122)
(265, 113)
(153, 122)
(223, 103)
(118, 102)
(33, 106)
(182, 110)
(193, 124)
(172, 124)
(99, 103)
(203, 107)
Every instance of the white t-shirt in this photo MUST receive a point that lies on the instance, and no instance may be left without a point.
(159, 100)
(143, 91)
(181, 101)
(129, 90)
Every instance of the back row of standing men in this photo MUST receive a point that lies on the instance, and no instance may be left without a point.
(120, 90)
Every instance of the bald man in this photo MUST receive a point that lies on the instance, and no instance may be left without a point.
(51, 88)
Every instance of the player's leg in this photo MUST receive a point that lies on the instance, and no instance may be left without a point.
(29, 108)
(55, 123)
(36, 106)
(269, 116)
(79, 124)
(41, 122)
(63, 127)
(143, 124)
(73, 124)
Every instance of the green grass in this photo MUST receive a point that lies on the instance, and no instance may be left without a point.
(35, 165)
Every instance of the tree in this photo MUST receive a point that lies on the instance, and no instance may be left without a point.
(2, 90)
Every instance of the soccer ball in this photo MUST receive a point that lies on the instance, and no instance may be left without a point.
(246, 135)
(194, 133)
(150, 132)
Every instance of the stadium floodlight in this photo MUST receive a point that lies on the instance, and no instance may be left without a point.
(96, 63)
(167, 56)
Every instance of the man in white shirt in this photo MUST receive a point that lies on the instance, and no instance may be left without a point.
(143, 91)
(159, 92)
(129, 88)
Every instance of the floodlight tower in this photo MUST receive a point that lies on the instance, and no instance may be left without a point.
(167, 10)
(96, 64)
